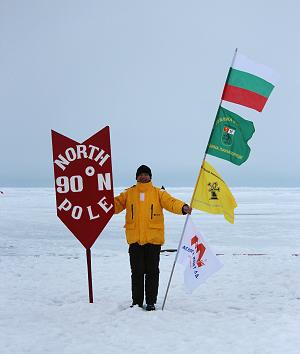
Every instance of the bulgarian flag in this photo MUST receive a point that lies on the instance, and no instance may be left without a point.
(248, 84)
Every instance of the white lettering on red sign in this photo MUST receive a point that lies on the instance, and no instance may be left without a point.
(77, 211)
(104, 205)
(81, 152)
(75, 184)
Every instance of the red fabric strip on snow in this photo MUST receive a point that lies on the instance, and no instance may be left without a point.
(244, 97)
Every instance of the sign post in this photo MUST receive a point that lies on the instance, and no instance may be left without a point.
(84, 187)
(89, 269)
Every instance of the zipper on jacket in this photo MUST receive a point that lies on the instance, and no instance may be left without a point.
(132, 211)
(151, 211)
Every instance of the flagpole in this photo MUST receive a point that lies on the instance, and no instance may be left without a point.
(220, 104)
(192, 199)
(175, 260)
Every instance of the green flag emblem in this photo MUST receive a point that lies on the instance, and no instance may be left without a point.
(229, 138)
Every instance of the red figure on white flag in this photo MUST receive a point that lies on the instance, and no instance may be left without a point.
(200, 261)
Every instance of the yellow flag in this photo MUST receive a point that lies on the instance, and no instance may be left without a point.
(212, 195)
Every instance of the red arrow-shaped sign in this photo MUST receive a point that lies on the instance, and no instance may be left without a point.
(84, 184)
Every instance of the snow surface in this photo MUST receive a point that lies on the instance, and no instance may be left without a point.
(252, 305)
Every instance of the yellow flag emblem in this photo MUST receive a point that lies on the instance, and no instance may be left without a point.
(212, 195)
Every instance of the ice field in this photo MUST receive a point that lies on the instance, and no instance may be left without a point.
(252, 305)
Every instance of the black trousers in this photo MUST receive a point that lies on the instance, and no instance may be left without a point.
(144, 263)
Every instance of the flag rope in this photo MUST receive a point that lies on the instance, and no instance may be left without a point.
(240, 254)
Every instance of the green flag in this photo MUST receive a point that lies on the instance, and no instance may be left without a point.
(229, 137)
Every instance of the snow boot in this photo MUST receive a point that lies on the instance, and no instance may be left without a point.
(150, 307)
(134, 304)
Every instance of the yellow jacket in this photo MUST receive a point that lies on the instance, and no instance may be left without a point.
(144, 215)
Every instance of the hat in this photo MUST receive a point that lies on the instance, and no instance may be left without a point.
(143, 169)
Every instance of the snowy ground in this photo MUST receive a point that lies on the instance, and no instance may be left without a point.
(252, 305)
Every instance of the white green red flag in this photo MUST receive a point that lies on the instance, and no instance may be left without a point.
(249, 84)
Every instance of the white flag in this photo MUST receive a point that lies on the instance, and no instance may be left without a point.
(200, 261)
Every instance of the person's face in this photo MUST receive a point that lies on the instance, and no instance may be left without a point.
(143, 178)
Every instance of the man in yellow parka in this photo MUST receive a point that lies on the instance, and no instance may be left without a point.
(144, 226)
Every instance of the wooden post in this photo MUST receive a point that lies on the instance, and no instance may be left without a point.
(89, 268)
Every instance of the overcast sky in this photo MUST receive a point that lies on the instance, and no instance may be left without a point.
(154, 72)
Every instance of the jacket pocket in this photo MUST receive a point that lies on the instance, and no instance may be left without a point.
(156, 217)
(130, 215)
(130, 226)
(155, 234)
(155, 225)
